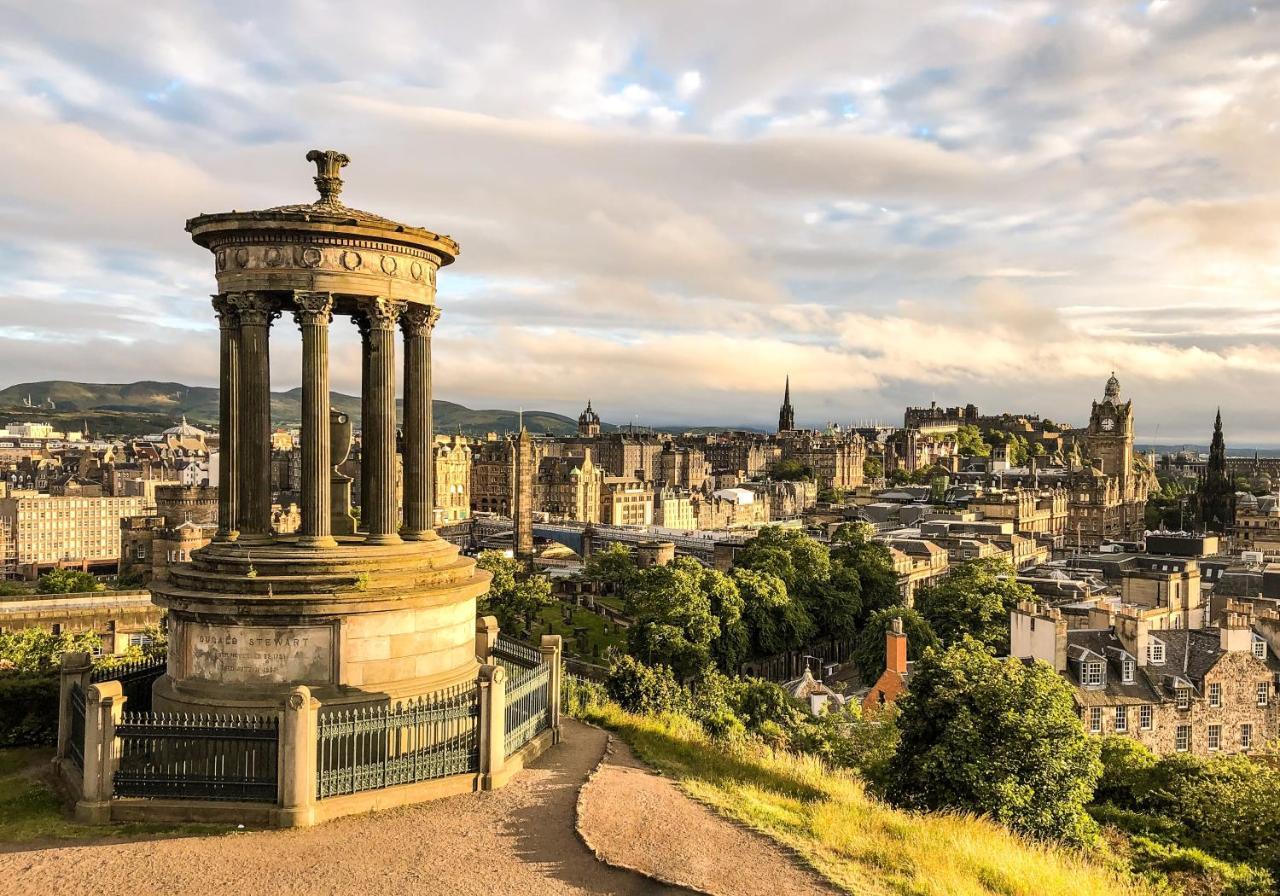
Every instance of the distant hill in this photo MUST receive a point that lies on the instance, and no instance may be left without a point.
(137, 408)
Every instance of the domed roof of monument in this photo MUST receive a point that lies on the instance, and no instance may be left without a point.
(327, 212)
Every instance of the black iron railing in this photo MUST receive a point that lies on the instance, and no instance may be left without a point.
(75, 745)
(203, 757)
(516, 653)
(370, 748)
(136, 679)
(528, 709)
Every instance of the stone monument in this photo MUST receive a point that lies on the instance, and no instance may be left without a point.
(370, 615)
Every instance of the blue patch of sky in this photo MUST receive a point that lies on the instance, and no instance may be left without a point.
(641, 71)
(842, 106)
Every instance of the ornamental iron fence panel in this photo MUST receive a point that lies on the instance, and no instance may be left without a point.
(198, 756)
(136, 679)
(516, 653)
(368, 748)
(528, 709)
(75, 744)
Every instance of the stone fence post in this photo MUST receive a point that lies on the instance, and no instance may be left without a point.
(493, 720)
(103, 706)
(76, 667)
(551, 650)
(297, 775)
(486, 638)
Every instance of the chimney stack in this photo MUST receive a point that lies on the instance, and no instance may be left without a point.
(895, 648)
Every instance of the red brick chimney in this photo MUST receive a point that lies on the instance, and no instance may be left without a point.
(895, 648)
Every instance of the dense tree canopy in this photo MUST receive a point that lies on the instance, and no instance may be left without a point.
(612, 565)
(515, 596)
(776, 621)
(975, 599)
(997, 737)
(672, 622)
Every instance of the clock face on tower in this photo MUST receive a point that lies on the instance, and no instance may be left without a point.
(1108, 424)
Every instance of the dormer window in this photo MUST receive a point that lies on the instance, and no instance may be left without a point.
(1259, 648)
(1091, 675)
(1126, 671)
(1183, 698)
(1155, 652)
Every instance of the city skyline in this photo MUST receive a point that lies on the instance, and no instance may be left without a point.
(996, 204)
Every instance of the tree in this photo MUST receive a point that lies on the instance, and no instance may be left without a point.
(872, 468)
(671, 619)
(868, 651)
(514, 596)
(775, 621)
(969, 441)
(996, 737)
(791, 470)
(800, 561)
(975, 599)
(67, 581)
(612, 565)
(853, 549)
(732, 645)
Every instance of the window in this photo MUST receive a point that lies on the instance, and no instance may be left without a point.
(1259, 648)
(1182, 741)
(1184, 698)
(1122, 718)
(139, 639)
(1263, 692)
(1155, 652)
(1215, 694)
(1214, 738)
(1144, 716)
(1126, 671)
(1092, 677)
(1095, 719)
(1246, 736)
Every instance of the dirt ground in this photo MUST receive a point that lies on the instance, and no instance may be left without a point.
(673, 838)
(517, 840)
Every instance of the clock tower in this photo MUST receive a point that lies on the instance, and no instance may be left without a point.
(1110, 433)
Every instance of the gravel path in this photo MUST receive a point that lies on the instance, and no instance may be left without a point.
(517, 840)
(669, 836)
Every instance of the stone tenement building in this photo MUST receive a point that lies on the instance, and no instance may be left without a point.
(452, 458)
(1200, 691)
(1039, 513)
(626, 501)
(836, 460)
(629, 454)
(570, 488)
(683, 467)
(1257, 524)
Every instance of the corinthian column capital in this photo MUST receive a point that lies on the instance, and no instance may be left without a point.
(254, 308)
(419, 320)
(312, 307)
(379, 313)
(228, 318)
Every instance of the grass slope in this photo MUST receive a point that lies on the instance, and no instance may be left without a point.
(849, 837)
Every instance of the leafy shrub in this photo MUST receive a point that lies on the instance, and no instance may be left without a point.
(28, 710)
(644, 689)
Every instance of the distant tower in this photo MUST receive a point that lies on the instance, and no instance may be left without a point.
(588, 423)
(1217, 494)
(786, 414)
(522, 514)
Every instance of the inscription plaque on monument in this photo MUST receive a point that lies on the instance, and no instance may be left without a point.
(260, 655)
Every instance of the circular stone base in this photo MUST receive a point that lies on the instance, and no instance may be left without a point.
(357, 623)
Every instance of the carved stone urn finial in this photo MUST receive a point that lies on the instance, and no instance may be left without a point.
(328, 164)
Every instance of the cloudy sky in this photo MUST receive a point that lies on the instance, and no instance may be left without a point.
(667, 207)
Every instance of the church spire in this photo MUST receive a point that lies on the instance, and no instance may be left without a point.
(786, 414)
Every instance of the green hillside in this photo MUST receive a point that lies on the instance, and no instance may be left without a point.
(137, 408)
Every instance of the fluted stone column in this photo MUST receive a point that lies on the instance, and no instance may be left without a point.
(363, 326)
(417, 322)
(379, 427)
(313, 312)
(256, 312)
(228, 418)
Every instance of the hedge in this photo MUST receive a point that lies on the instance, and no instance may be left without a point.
(28, 710)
